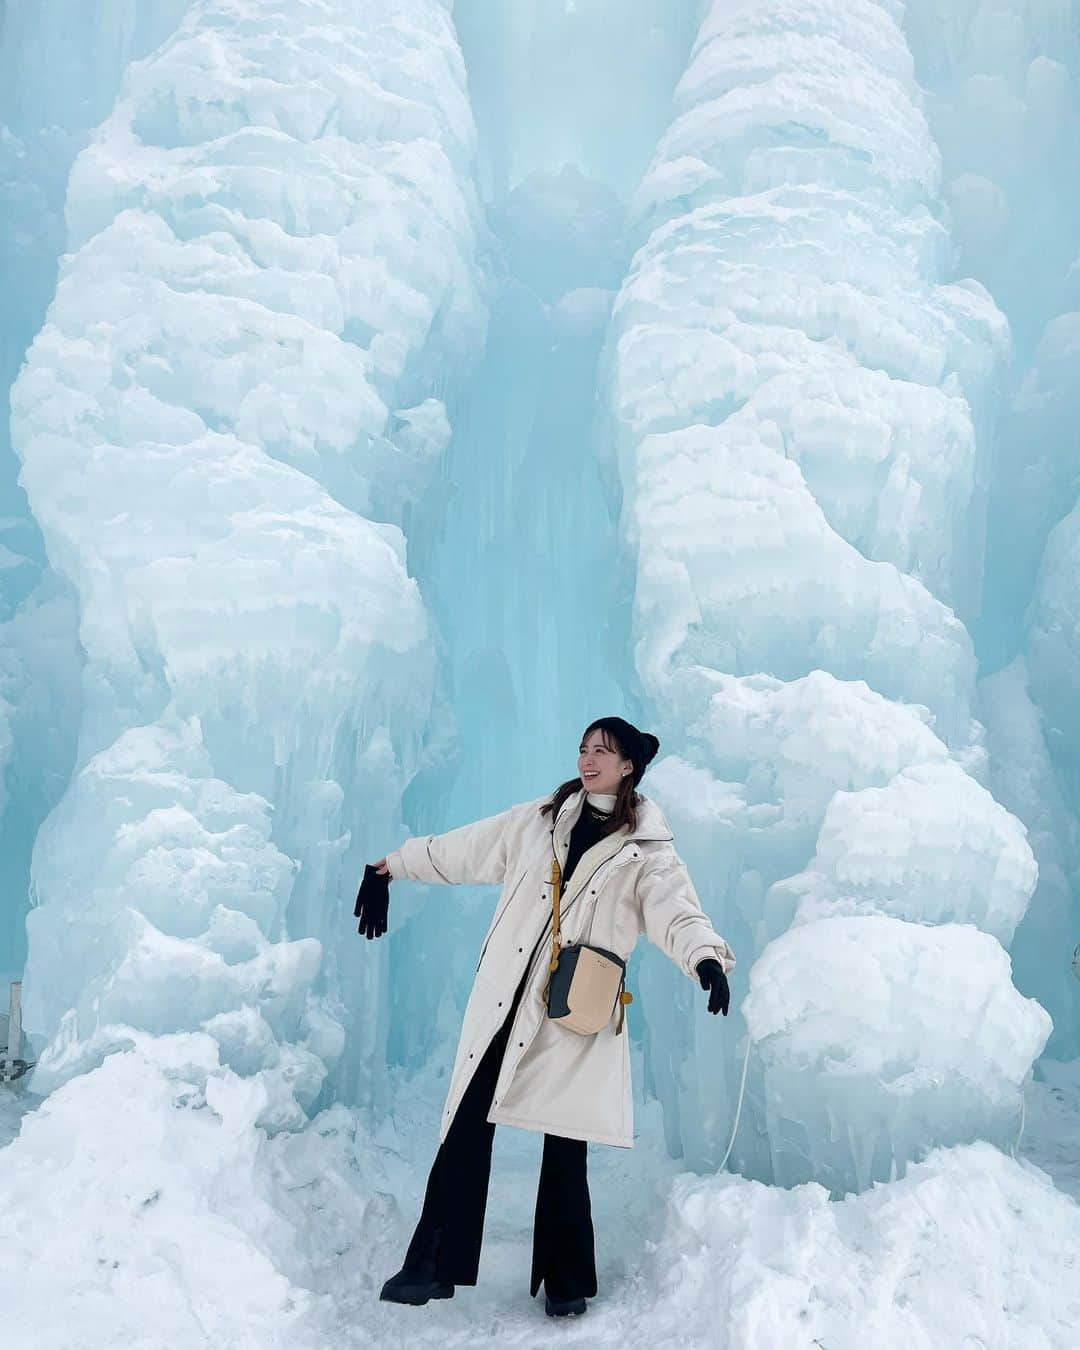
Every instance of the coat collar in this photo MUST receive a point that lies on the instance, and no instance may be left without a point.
(652, 823)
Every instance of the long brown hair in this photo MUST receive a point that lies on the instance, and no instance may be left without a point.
(626, 799)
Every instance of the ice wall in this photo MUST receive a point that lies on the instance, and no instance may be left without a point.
(802, 406)
(221, 426)
(60, 67)
(268, 316)
(264, 335)
(515, 561)
(1003, 100)
(550, 87)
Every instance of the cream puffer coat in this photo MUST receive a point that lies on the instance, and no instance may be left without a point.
(553, 1079)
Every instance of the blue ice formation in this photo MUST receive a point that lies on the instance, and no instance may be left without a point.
(389, 399)
(270, 277)
(796, 392)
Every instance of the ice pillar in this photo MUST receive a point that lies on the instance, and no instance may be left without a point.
(801, 407)
(221, 426)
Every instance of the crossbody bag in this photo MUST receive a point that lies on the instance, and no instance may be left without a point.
(584, 983)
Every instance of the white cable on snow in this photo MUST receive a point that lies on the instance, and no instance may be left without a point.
(738, 1107)
(1023, 1122)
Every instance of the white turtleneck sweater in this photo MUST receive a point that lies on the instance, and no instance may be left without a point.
(603, 801)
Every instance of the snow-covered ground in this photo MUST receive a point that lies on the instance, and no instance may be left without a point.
(970, 1251)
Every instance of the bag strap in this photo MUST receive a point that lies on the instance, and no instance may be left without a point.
(556, 931)
(625, 997)
(556, 896)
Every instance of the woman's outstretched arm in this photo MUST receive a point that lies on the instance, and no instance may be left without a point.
(672, 917)
(471, 855)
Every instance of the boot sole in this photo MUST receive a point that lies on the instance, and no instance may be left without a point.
(565, 1309)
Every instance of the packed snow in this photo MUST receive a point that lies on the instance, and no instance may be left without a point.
(147, 1187)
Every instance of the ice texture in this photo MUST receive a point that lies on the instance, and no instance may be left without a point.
(879, 1039)
(796, 394)
(1024, 778)
(932, 846)
(304, 546)
(60, 68)
(226, 413)
(760, 324)
(553, 92)
(1053, 640)
(1003, 100)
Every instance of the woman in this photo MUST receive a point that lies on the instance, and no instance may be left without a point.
(620, 876)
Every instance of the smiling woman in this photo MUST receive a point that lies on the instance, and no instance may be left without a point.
(600, 763)
(607, 854)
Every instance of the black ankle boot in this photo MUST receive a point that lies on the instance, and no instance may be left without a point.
(569, 1307)
(415, 1287)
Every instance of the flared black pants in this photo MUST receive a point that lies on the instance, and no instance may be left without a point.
(448, 1237)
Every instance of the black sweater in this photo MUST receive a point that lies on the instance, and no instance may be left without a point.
(588, 829)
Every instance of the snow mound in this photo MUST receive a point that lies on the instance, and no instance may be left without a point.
(971, 1250)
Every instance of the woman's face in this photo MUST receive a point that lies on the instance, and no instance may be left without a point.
(601, 768)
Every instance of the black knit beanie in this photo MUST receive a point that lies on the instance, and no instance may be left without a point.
(638, 746)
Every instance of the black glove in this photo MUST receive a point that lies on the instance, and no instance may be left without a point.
(712, 977)
(372, 902)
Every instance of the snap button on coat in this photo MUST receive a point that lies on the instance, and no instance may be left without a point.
(626, 884)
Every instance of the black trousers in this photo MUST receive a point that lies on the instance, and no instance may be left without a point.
(448, 1237)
